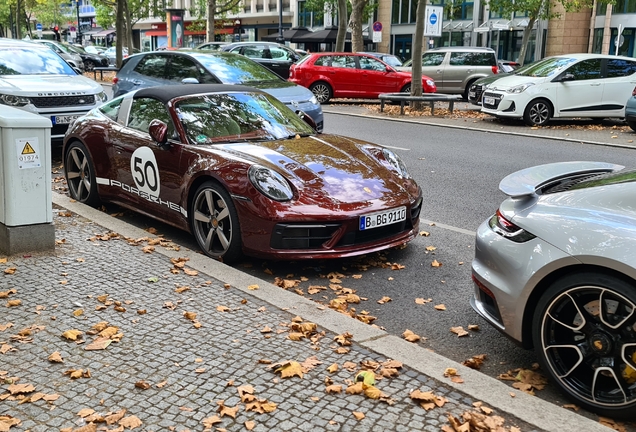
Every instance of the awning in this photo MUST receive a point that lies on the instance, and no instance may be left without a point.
(103, 33)
(195, 32)
(155, 33)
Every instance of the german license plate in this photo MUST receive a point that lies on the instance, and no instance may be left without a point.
(382, 218)
(489, 100)
(64, 119)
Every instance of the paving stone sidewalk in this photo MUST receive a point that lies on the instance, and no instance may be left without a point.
(190, 370)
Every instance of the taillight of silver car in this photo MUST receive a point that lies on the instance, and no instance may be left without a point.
(502, 226)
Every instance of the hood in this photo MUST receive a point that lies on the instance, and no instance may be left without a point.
(284, 91)
(510, 81)
(34, 85)
(346, 170)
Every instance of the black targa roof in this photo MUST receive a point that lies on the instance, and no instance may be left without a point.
(169, 92)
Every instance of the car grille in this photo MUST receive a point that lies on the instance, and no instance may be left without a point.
(478, 89)
(59, 129)
(495, 96)
(360, 237)
(63, 101)
(302, 236)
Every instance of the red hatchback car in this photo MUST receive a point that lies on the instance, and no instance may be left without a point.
(348, 75)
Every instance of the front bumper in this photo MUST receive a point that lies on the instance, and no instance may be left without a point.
(321, 235)
(503, 104)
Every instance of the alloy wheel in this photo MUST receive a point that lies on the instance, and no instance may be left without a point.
(78, 174)
(212, 222)
(588, 340)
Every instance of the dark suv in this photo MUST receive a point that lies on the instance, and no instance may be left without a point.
(275, 57)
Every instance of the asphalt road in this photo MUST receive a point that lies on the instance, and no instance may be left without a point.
(459, 172)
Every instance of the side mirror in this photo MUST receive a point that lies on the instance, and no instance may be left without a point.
(567, 77)
(307, 119)
(190, 80)
(158, 130)
(390, 69)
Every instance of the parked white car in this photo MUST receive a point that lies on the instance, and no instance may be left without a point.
(36, 79)
(565, 86)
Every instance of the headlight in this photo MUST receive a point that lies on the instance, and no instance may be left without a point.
(313, 100)
(430, 83)
(520, 88)
(396, 163)
(15, 101)
(270, 183)
(101, 97)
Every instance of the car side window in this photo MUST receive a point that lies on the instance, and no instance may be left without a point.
(181, 67)
(145, 110)
(323, 61)
(152, 66)
(432, 59)
(279, 54)
(620, 68)
(256, 51)
(343, 62)
(371, 64)
(586, 69)
(472, 59)
(111, 109)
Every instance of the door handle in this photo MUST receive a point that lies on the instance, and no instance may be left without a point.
(595, 84)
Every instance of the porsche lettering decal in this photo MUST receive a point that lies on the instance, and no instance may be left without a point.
(142, 194)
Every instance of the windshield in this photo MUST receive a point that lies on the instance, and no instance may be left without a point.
(392, 61)
(32, 61)
(235, 69)
(238, 117)
(546, 67)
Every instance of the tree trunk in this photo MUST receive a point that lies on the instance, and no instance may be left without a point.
(355, 22)
(343, 22)
(18, 21)
(129, 26)
(210, 23)
(416, 71)
(524, 41)
(119, 32)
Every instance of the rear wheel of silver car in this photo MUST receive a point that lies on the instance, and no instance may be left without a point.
(80, 174)
(538, 112)
(584, 333)
(322, 91)
(215, 223)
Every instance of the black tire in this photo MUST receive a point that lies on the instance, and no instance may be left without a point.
(585, 337)
(214, 222)
(80, 174)
(538, 112)
(322, 91)
(632, 124)
(407, 89)
(89, 65)
(467, 88)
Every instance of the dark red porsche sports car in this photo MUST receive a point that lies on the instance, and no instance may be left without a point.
(242, 172)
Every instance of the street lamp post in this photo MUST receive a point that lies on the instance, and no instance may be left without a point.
(79, 27)
(280, 39)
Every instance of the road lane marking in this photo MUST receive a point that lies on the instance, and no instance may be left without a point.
(448, 227)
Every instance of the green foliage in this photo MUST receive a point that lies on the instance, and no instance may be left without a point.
(538, 9)
(319, 7)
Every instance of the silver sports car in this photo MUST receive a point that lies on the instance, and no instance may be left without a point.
(555, 269)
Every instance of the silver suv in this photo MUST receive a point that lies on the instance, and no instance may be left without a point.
(455, 69)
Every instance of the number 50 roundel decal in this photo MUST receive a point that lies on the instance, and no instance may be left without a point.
(145, 171)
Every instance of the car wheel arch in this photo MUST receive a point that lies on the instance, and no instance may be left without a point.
(553, 113)
(542, 286)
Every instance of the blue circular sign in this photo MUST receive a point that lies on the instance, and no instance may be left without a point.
(38, 26)
(433, 18)
(377, 26)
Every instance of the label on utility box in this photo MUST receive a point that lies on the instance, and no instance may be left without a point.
(28, 151)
